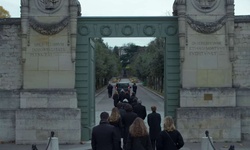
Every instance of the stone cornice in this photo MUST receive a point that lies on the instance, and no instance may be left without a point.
(242, 19)
(10, 21)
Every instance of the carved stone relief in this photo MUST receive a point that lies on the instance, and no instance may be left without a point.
(126, 30)
(49, 6)
(205, 5)
(48, 29)
(206, 27)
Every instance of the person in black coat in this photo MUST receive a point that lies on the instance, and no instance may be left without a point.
(110, 90)
(104, 136)
(169, 138)
(127, 96)
(134, 88)
(133, 99)
(116, 98)
(140, 110)
(154, 123)
(121, 95)
(138, 138)
(127, 120)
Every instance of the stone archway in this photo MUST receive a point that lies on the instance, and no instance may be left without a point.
(90, 27)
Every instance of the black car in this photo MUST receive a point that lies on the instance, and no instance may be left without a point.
(123, 85)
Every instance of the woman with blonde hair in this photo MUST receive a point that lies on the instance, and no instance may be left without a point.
(138, 138)
(115, 120)
(169, 138)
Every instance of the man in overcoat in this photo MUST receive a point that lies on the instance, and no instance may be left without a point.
(104, 136)
(154, 123)
(140, 109)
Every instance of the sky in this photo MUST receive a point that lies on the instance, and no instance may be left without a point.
(124, 8)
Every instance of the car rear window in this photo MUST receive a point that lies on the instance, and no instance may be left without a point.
(123, 85)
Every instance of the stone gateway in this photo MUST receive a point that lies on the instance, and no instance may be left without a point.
(207, 71)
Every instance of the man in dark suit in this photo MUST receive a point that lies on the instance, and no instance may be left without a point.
(154, 123)
(140, 110)
(104, 136)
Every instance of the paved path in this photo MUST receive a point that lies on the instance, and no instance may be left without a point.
(86, 146)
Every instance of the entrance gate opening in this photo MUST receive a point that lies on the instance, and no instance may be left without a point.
(90, 27)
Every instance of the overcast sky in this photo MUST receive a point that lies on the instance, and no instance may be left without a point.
(125, 8)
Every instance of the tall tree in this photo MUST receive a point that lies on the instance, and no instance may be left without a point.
(4, 13)
(107, 63)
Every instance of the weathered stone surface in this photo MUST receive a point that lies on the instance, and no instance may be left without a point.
(56, 98)
(7, 125)
(35, 125)
(207, 58)
(241, 69)
(245, 123)
(223, 124)
(10, 55)
(208, 97)
(9, 99)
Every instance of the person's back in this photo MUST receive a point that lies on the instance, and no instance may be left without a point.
(110, 90)
(154, 123)
(121, 95)
(127, 120)
(140, 110)
(169, 138)
(104, 135)
(138, 138)
(116, 98)
(134, 88)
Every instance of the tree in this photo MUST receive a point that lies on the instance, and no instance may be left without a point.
(107, 63)
(4, 13)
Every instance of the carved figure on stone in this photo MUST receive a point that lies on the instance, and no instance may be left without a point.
(79, 9)
(50, 4)
(206, 4)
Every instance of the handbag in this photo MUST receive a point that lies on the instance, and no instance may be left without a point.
(171, 139)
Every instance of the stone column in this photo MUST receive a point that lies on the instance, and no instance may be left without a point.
(207, 90)
(230, 27)
(25, 27)
(48, 100)
(181, 12)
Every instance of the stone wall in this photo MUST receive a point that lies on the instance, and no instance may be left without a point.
(34, 125)
(10, 76)
(241, 71)
(223, 123)
(215, 56)
(10, 54)
(7, 125)
(37, 72)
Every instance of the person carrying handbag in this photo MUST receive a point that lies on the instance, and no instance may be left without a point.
(169, 138)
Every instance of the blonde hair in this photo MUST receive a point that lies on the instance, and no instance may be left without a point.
(115, 115)
(138, 128)
(169, 123)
